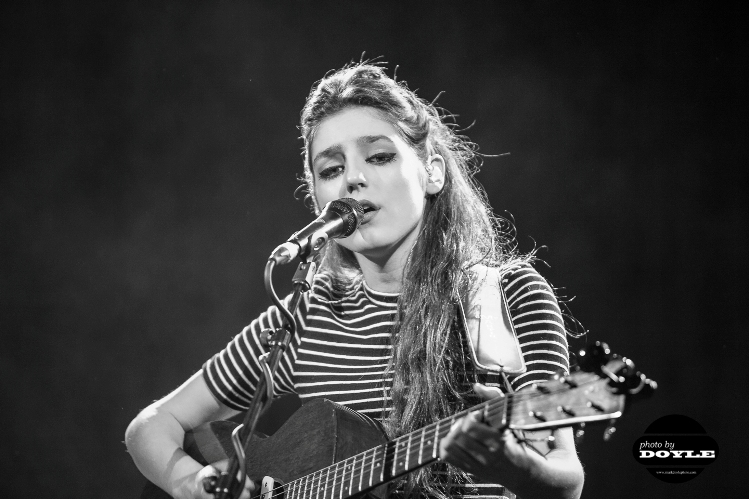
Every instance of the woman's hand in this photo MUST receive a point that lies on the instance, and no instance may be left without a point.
(496, 456)
(196, 486)
(486, 452)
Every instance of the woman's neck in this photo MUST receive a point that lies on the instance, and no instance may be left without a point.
(387, 278)
(383, 270)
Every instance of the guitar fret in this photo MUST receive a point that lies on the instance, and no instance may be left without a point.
(361, 475)
(338, 479)
(382, 467)
(503, 404)
(421, 444)
(408, 450)
(335, 479)
(436, 432)
(327, 481)
(332, 485)
(395, 457)
(343, 479)
(351, 481)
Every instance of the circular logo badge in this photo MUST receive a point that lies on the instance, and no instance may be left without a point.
(675, 449)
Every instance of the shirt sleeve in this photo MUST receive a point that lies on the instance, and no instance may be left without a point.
(233, 374)
(538, 323)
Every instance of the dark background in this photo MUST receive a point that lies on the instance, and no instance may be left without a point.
(149, 161)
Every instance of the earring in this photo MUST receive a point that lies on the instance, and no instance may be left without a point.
(430, 171)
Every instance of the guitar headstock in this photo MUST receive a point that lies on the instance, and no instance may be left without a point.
(598, 390)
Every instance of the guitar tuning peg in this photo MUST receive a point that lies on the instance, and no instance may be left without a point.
(579, 433)
(643, 388)
(609, 431)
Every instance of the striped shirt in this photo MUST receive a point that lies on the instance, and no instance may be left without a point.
(342, 346)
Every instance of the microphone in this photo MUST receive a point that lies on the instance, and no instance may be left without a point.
(339, 218)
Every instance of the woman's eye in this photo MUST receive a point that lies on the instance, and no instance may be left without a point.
(381, 158)
(330, 172)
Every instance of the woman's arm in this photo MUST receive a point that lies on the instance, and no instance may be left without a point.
(496, 456)
(154, 438)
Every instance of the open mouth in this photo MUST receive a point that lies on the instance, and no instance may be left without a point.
(369, 210)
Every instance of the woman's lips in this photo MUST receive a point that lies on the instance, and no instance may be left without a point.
(368, 215)
(370, 211)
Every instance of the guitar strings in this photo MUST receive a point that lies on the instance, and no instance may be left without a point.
(492, 408)
(349, 481)
(389, 450)
(384, 453)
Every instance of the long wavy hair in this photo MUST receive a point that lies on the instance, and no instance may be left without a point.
(459, 231)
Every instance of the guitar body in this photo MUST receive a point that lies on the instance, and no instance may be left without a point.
(317, 435)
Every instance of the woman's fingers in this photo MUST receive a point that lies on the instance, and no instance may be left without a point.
(480, 449)
(471, 440)
(205, 480)
(487, 392)
(212, 473)
(476, 434)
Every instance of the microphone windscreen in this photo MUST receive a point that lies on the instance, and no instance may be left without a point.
(350, 211)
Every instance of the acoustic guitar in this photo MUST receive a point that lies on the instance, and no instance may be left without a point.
(327, 451)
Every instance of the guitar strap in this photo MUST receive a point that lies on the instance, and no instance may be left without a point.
(488, 329)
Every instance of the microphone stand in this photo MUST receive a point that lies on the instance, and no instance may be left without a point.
(227, 487)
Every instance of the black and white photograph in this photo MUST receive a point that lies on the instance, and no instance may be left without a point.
(401, 249)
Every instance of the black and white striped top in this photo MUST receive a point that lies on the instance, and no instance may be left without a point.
(342, 346)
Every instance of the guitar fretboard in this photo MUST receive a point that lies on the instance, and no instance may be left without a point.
(381, 464)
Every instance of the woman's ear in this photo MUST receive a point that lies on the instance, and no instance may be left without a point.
(435, 167)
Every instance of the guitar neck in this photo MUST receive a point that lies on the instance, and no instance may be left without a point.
(385, 462)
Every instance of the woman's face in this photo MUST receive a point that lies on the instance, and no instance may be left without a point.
(357, 154)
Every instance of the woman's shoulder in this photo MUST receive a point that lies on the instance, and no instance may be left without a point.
(508, 273)
(519, 269)
(519, 281)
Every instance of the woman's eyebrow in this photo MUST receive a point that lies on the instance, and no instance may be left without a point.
(370, 139)
(328, 152)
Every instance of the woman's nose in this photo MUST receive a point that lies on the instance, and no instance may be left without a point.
(355, 179)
